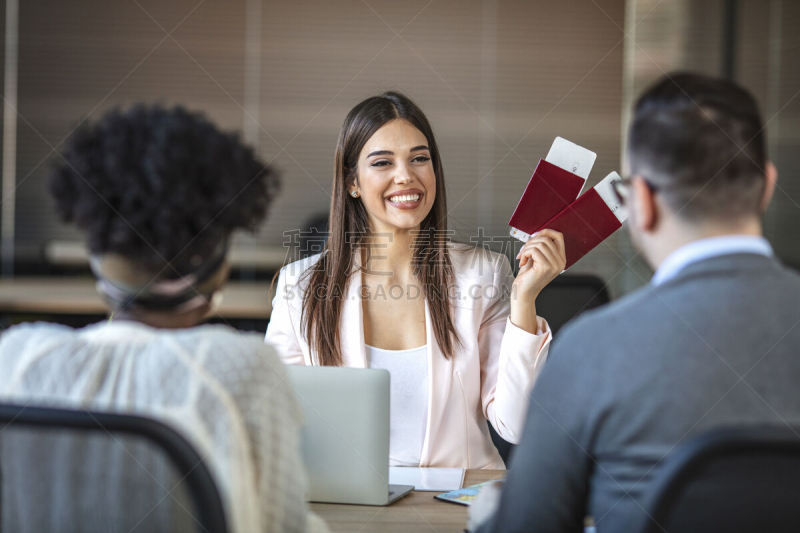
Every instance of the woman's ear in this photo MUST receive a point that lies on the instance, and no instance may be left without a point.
(352, 181)
(771, 180)
(646, 210)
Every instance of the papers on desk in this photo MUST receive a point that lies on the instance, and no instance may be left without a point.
(432, 479)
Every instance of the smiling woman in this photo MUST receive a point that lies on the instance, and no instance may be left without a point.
(389, 291)
(398, 187)
(386, 149)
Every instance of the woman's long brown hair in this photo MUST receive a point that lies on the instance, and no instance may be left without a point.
(349, 232)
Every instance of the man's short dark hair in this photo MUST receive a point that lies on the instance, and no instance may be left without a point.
(700, 142)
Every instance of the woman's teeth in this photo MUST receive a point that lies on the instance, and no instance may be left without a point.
(404, 198)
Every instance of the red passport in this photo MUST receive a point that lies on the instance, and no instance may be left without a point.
(550, 190)
(585, 222)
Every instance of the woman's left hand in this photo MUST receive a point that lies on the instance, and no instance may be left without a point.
(541, 259)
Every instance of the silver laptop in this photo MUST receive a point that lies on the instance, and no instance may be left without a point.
(345, 438)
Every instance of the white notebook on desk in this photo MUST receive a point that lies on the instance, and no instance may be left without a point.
(432, 479)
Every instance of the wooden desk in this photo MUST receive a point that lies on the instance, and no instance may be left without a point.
(418, 511)
(77, 296)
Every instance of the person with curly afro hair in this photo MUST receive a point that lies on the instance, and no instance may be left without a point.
(158, 193)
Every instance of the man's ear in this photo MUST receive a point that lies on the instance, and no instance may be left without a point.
(770, 179)
(646, 209)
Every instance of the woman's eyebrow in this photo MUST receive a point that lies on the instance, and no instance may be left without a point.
(389, 152)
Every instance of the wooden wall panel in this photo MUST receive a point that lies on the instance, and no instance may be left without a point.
(498, 79)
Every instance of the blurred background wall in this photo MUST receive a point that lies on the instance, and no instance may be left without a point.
(498, 79)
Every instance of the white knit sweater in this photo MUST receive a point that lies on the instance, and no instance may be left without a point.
(225, 391)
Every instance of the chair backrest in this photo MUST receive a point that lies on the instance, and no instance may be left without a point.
(314, 235)
(569, 295)
(737, 480)
(68, 470)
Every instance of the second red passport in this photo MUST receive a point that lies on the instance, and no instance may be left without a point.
(585, 223)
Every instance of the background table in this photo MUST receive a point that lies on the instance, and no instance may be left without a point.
(241, 299)
(417, 512)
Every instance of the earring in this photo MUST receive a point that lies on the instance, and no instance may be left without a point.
(354, 194)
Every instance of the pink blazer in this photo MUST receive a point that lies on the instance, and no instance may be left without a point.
(489, 377)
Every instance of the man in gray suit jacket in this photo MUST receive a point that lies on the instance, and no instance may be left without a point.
(713, 340)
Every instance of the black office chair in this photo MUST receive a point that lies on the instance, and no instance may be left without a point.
(569, 295)
(736, 480)
(314, 235)
(81, 471)
(563, 299)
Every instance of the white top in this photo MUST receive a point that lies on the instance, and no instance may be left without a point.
(408, 400)
(706, 248)
(226, 392)
(491, 371)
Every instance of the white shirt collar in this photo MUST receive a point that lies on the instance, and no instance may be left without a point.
(707, 248)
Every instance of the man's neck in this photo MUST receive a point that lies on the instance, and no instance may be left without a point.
(678, 234)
